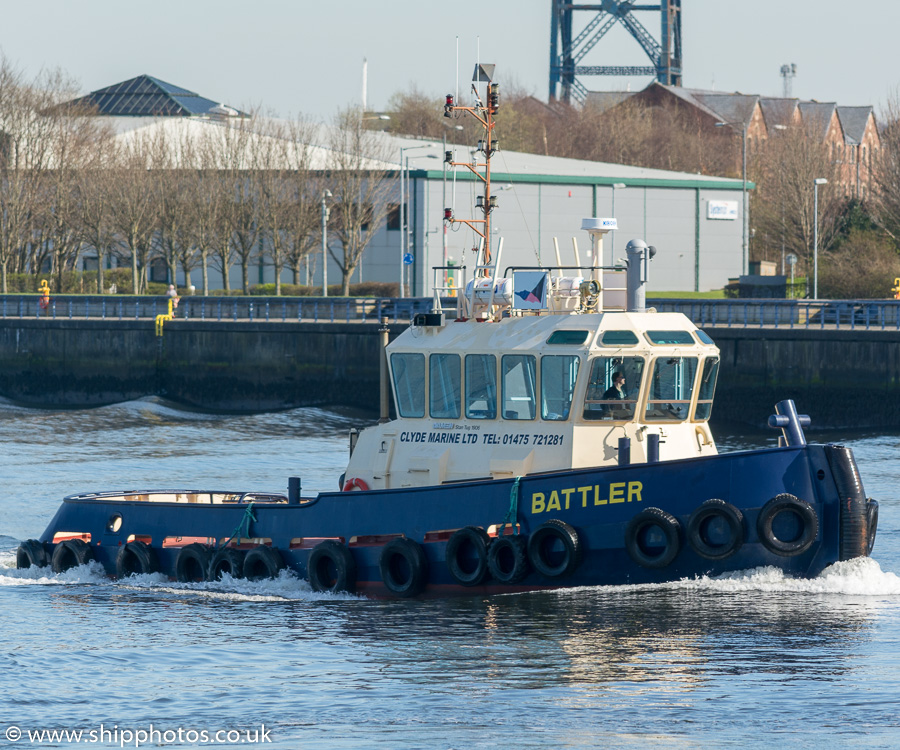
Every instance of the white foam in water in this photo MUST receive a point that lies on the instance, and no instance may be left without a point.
(860, 577)
(284, 588)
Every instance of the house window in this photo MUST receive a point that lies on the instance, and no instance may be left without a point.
(393, 217)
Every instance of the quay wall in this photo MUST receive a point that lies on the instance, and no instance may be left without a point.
(841, 378)
(217, 366)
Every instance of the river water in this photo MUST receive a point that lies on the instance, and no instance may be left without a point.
(751, 660)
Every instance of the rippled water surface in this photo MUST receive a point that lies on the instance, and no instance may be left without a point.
(751, 660)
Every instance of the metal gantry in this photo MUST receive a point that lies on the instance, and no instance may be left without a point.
(567, 52)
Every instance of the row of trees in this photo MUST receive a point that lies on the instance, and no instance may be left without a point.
(204, 194)
(193, 194)
(859, 236)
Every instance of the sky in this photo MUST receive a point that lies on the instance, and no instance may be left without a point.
(298, 56)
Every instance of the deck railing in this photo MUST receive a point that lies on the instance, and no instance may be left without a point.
(768, 313)
(721, 313)
(315, 309)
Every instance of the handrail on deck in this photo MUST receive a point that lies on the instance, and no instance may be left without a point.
(283, 309)
(864, 314)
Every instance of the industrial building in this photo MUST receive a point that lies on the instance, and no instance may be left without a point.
(694, 221)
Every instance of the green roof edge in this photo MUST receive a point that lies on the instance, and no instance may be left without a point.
(723, 184)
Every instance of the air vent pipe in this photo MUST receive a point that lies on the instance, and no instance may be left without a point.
(639, 255)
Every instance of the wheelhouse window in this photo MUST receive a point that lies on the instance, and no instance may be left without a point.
(671, 388)
(613, 388)
(558, 377)
(444, 385)
(519, 392)
(408, 371)
(707, 388)
(481, 386)
(669, 337)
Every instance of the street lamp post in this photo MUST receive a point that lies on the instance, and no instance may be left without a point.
(745, 230)
(818, 181)
(404, 239)
(325, 214)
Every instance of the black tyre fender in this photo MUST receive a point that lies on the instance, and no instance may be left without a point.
(404, 567)
(698, 526)
(554, 549)
(508, 559)
(262, 562)
(331, 567)
(70, 554)
(136, 558)
(871, 524)
(226, 560)
(465, 546)
(787, 503)
(636, 543)
(192, 563)
(32, 554)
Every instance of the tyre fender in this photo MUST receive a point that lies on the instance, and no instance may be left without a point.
(403, 567)
(32, 554)
(262, 562)
(331, 568)
(226, 560)
(192, 563)
(638, 545)
(136, 558)
(787, 503)
(70, 554)
(871, 524)
(715, 511)
(466, 555)
(508, 559)
(554, 549)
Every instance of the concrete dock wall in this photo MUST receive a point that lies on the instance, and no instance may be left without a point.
(840, 378)
(218, 366)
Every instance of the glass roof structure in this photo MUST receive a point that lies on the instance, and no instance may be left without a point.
(146, 96)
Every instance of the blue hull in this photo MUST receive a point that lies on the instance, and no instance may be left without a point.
(597, 504)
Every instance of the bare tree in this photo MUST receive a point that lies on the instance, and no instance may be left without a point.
(239, 154)
(206, 205)
(95, 204)
(133, 206)
(25, 155)
(785, 170)
(362, 188)
(288, 205)
(886, 174)
(73, 135)
(171, 193)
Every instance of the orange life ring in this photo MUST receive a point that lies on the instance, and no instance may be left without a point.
(44, 302)
(355, 484)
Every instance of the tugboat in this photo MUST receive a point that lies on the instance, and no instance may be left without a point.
(550, 432)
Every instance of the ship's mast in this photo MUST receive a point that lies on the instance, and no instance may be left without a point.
(484, 113)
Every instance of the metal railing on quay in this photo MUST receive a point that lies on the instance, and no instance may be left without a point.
(302, 309)
(772, 313)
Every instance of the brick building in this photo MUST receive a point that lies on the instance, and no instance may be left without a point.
(850, 132)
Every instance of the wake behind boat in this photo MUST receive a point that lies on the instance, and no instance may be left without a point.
(550, 431)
